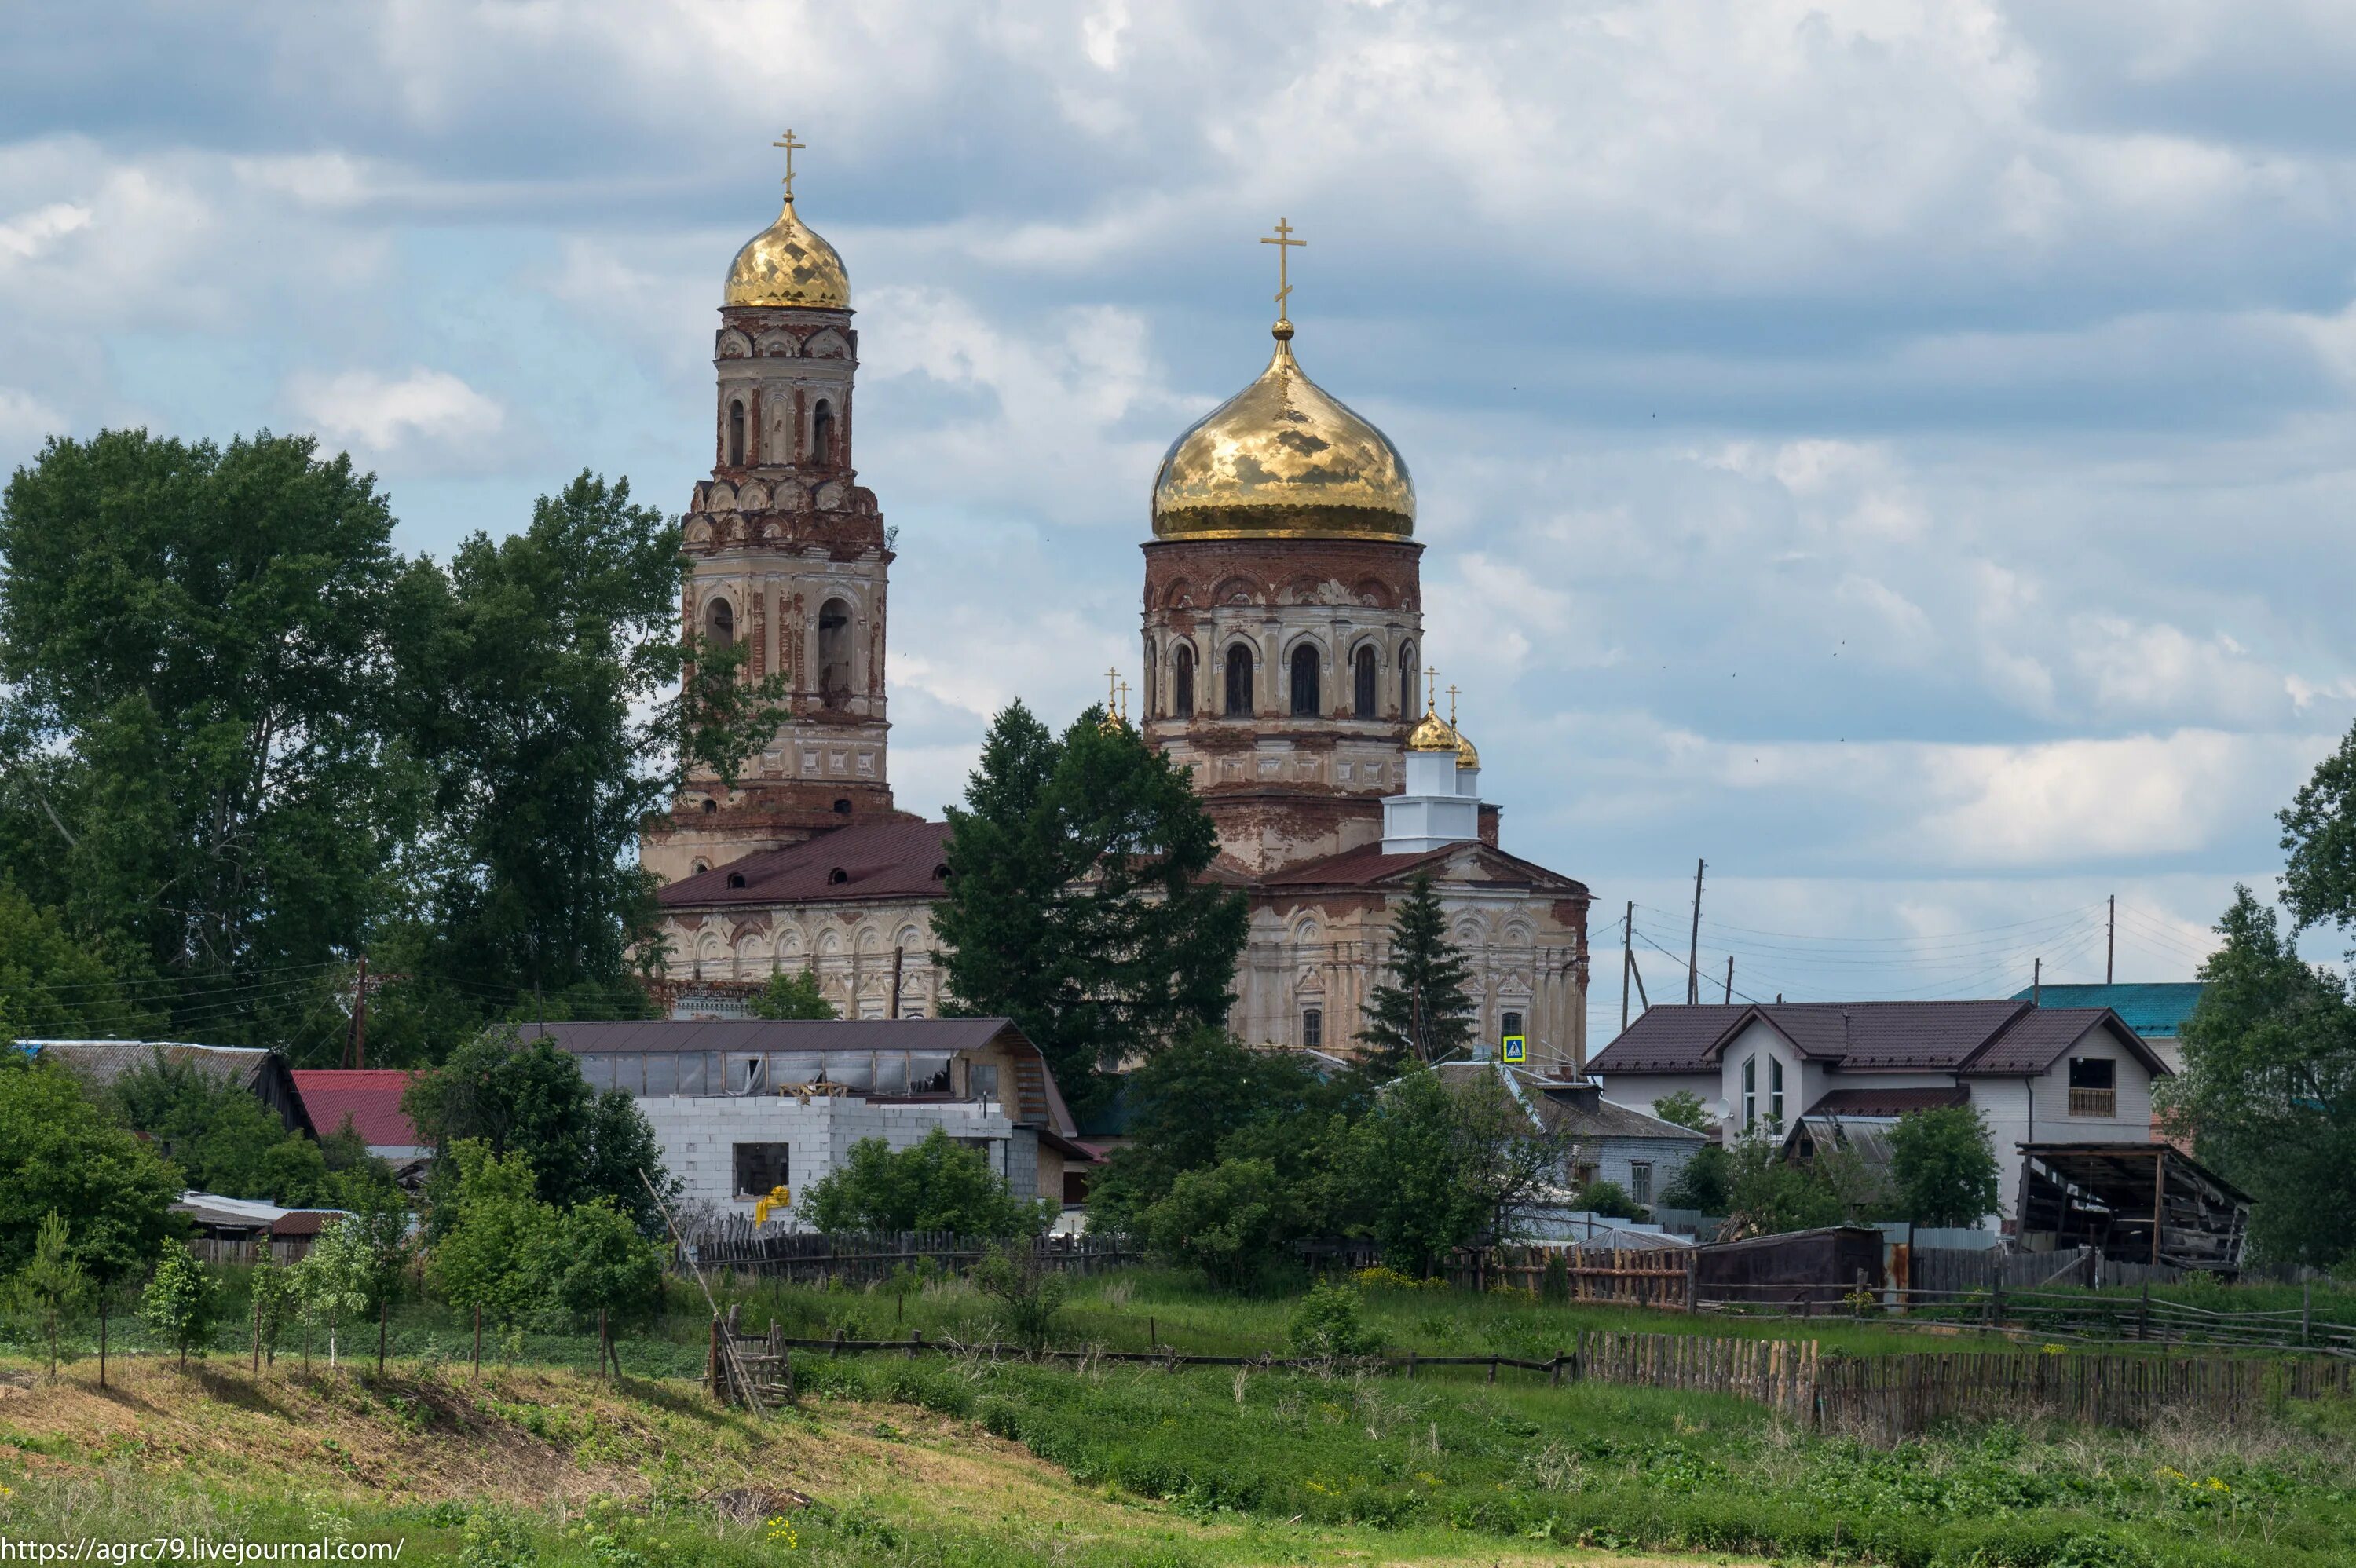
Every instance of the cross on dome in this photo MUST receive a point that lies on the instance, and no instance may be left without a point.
(791, 147)
(1283, 242)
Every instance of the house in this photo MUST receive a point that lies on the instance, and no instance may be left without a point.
(263, 1073)
(2156, 1011)
(1604, 1142)
(370, 1098)
(2056, 1074)
(744, 1105)
(234, 1230)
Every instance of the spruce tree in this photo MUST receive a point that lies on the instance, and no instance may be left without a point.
(1422, 1012)
(1077, 903)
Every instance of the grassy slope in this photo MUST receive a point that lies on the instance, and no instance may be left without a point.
(548, 1467)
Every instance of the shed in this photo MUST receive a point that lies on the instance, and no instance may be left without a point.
(1814, 1267)
(2140, 1204)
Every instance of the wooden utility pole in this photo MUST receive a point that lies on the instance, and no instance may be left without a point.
(1627, 959)
(356, 1045)
(1729, 977)
(2037, 984)
(899, 956)
(1693, 947)
(2111, 942)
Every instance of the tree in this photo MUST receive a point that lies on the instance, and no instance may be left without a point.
(1400, 1176)
(602, 1265)
(1943, 1161)
(494, 1245)
(1078, 904)
(1187, 1105)
(792, 997)
(1684, 1108)
(1232, 1220)
(936, 1184)
(377, 1233)
(204, 766)
(58, 1153)
(276, 1301)
(531, 675)
(1702, 1182)
(57, 983)
(1424, 1011)
(182, 1302)
(1608, 1198)
(222, 1137)
(329, 1284)
(532, 1099)
(1026, 1290)
(2268, 1088)
(2319, 838)
(52, 1286)
(1767, 1195)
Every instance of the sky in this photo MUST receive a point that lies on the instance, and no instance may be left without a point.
(1902, 452)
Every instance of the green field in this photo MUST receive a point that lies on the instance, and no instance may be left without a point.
(955, 1460)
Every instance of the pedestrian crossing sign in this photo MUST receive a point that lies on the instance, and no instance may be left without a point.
(1516, 1048)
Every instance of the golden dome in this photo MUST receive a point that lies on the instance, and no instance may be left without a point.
(1283, 459)
(1436, 735)
(1466, 755)
(788, 264)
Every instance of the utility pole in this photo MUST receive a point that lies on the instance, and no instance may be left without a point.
(1729, 977)
(899, 956)
(2111, 942)
(2037, 984)
(356, 1044)
(1627, 959)
(1693, 948)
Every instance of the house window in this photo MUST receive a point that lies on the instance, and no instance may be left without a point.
(1313, 1028)
(1584, 1173)
(1639, 1182)
(1749, 1093)
(1775, 1089)
(1510, 1024)
(983, 1080)
(761, 1169)
(2093, 1087)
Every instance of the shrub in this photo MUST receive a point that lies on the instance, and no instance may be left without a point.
(1029, 1293)
(1230, 1221)
(1702, 1183)
(937, 1184)
(1326, 1325)
(1554, 1284)
(1608, 1198)
(1382, 1276)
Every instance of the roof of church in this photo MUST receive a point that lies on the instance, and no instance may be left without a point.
(858, 864)
(1367, 865)
(1976, 1037)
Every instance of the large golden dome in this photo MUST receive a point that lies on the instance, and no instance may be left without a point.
(1283, 459)
(788, 264)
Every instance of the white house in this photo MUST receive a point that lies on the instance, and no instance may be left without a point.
(2038, 1074)
(745, 1106)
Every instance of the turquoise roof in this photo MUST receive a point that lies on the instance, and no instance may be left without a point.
(2154, 1011)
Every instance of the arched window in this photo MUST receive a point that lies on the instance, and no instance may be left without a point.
(1239, 682)
(1304, 682)
(1362, 682)
(1313, 1028)
(736, 432)
(1406, 680)
(1182, 683)
(834, 653)
(720, 622)
(822, 433)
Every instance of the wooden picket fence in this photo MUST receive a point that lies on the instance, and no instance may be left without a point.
(1648, 1276)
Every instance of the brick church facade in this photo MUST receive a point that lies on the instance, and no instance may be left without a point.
(1282, 630)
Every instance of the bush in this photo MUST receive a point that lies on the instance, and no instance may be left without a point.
(1326, 1325)
(1702, 1183)
(1554, 1284)
(1608, 1198)
(1031, 1295)
(182, 1302)
(1231, 1221)
(937, 1184)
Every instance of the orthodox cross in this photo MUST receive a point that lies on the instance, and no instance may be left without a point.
(1284, 240)
(1124, 700)
(791, 146)
(1431, 691)
(1452, 708)
(1112, 689)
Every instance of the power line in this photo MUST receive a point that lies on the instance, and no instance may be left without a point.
(1977, 931)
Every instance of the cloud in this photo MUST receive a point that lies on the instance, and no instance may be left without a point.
(381, 413)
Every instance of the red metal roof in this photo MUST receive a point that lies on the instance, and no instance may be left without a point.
(872, 860)
(370, 1095)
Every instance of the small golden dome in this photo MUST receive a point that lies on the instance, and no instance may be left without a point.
(1436, 735)
(788, 264)
(1467, 756)
(1283, 459)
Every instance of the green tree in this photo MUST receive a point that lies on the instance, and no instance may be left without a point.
(2268, 1088)
(59, 1152)
(1424, 1011)
(530, 1098)
(1608, 1198)
(222, 1137)
(792, 997)
(52, 1288)
(1942, 1162)
(1078, 904)
(1401, 1177)
(1233, 1220)
(205, 770)
(1684, 1108)
(379, 1231)
(1327, 1325)
(182, 1302)
(1702, 1182)
(1029, 1292)
(496, 1243)
(532, 672)
(1192, 1101)
(603, 1265)
(275, 1300)
(329, 1285)
(936, 1184)
(1767, 1194)
(57, 983)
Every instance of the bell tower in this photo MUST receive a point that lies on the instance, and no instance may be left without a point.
(789, 557)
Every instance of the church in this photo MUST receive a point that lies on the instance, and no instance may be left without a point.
(1283, 628)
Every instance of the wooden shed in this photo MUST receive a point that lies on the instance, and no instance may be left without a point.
(2139, 1203)
(1811, 1268)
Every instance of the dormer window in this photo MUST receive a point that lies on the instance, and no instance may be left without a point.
(837, 877)
(940, 873)
(736, 879)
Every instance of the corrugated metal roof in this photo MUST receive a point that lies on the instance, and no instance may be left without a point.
(2155, 1010)
(867, 863)
(370, 1095)
(1888, 1102)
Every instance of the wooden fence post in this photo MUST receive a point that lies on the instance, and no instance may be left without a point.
(915, 1342)
(1693, 1278)
(711, 1359)
(2306, 1310)
(2143, 1314)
